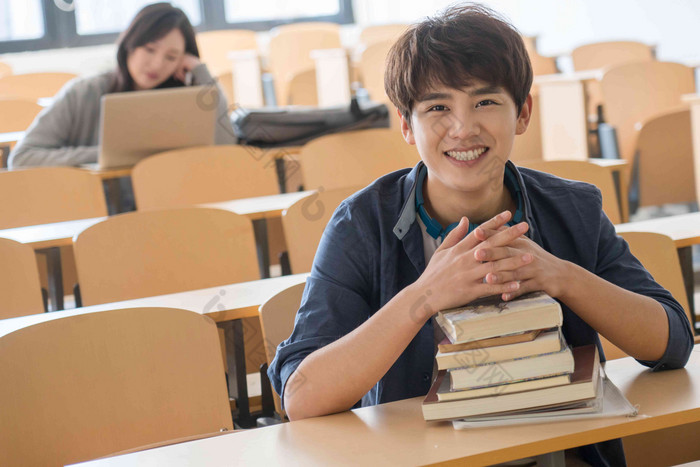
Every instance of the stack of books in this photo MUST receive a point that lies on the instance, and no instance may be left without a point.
(510, 359)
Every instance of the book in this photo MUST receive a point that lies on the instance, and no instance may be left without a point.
(612, 404)
(547, 342)
(444, 392)
(446, 346)
(492, 317)
(493, 374)
(583, 386)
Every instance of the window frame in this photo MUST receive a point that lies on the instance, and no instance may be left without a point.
(60, 26)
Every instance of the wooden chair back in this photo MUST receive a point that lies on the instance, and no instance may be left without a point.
(541, 65)
(289, 51)
(277, 316)
(304, 223)
(588, 172)
(214, 47)
(45, 195)
(141, 254)
(303, 89)
(20, 288)
(605, 54)
(82, 387)
(5, 69)
(33, 86)
(354, 158)
(664, 154)
(371, 68)
(17, 114)
(528, 146)
(381, 33)
(635, 92)
(203, 174)
(659, 256)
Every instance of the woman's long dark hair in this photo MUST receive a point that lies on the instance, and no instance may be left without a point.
(150, 24)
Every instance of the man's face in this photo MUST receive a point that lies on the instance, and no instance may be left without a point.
(465, 135)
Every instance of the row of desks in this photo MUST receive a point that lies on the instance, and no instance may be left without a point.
(227, 305)
(396, 434)
(48, 238)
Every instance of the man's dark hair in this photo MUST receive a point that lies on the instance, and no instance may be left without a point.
(464, 43)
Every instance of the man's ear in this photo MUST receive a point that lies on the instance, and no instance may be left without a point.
(524, 116)
(406, 130)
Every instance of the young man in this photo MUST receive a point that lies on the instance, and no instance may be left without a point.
(408, 245)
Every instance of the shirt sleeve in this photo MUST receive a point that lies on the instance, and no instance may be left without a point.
(47, 140)
(214, 96)
(334, 300)
(616, 264)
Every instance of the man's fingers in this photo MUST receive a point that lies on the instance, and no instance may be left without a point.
(456, 235)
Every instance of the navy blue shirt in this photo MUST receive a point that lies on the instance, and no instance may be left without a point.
(372, 248)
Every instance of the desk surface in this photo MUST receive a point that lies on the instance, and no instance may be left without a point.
(396, 433)
(11, 137)
(223, 303)
(684, 229)
(62, 233)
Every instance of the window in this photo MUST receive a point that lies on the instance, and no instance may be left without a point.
(108, 16)
(238, 11)
(21, 20)
(45, 24)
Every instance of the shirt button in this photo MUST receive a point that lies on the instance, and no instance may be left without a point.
(426, 377)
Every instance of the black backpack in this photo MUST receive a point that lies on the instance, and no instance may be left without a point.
(292, 126)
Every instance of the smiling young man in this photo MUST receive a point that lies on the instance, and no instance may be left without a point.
(464, 223)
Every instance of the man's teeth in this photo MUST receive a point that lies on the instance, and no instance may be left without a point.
(466, 155)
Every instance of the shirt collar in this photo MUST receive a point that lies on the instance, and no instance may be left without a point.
(408, 212)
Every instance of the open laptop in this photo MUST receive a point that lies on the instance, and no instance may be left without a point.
(135, 125)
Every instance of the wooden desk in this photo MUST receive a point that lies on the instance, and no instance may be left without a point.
(7, 142)
(396, 434)
(47, 238)
(226, 305)
(564, 113)
(684, 230)
(619, 169)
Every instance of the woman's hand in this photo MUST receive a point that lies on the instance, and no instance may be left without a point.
(457, 272)
(189, 62)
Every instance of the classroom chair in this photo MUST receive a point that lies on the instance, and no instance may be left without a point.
(528, 146)
(225, 81)
(606, 54)
(5, 69)
(146, 253)
(33, 86)
(541, 65)
(277, 316)
(203, 174)
(588, 172)
(663, 159)
(45, 195)
(380, 33)
(17, 114)
(303, 89)
(81, 387)
(214, 47)
(304, 223)
(635, 92)
(20, 288)
(371, 68)
(354, 158)
(290, 48)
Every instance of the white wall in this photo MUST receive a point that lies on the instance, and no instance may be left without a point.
(560, 25)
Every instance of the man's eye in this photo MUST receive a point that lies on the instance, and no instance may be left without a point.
(438, 107)
(485, 102)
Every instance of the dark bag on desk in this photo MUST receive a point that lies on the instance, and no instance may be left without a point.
(296, 126)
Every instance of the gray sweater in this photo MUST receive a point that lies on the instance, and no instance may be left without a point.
(67, 132)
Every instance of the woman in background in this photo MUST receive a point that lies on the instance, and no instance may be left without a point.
(157, 50)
